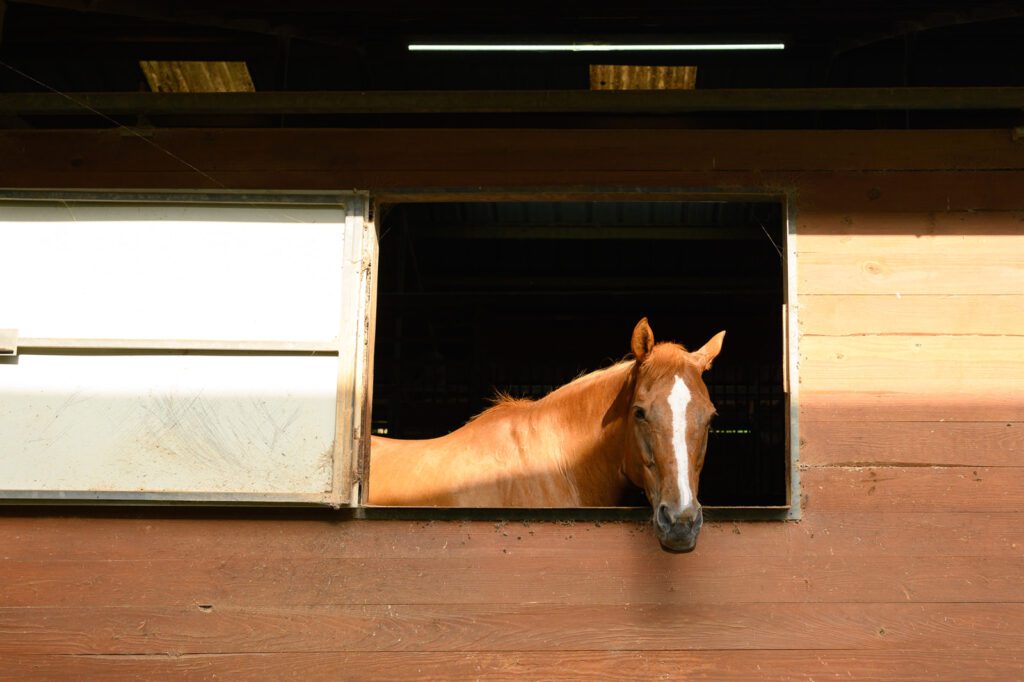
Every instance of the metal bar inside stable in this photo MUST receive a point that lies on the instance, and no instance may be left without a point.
(511, 102)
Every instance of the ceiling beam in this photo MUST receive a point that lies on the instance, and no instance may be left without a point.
(518, 102)
(592, 232)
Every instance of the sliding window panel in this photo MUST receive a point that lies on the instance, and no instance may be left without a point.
(183, 347)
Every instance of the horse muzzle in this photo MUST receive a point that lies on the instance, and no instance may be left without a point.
(677, 530)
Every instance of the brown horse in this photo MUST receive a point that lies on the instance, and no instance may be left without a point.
(641, 422)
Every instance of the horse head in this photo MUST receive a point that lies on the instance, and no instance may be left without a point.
(669, 416)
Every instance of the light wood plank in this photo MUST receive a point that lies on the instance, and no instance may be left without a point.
(717, 666)
(939, 365)
(897, 269)
(177, 631)
(857, 315)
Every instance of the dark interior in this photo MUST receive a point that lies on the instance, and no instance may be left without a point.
(522, 297)
(76, 46)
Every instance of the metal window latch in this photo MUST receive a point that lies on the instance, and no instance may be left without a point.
(8, 342)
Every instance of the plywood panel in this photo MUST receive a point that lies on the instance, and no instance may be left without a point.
(858, 315)
(914, 443)
(887, 489)
(141, 631)
(913, 364)
(275, 536)
(718, 666)
(515, 578)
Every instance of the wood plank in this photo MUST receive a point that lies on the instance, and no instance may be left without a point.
(819, 195)
(875, 406)
(179, 631)
(912, 364)
(896, 269)
(440, 149)
(830, 229)
(551, 101)
(811, 190)
(839, 534)
(720, 666)
(859, 315)
(515, 578)
(991, 444)
(937, 489)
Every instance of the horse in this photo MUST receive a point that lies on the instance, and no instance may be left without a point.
(642, 422)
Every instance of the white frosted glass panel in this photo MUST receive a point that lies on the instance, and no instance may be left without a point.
(125, 271)
(168, 423)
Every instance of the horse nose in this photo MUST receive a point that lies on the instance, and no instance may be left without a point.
(686, 519)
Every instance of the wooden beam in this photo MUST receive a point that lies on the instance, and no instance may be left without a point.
(508, 102)
(601, 232)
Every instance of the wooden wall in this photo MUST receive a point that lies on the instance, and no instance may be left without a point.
(908, 561)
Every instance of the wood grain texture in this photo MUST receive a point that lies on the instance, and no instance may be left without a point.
(266, 540)
(921, 365)
(877, 406)
(971, 444)
(442, 149)
(516, 578)
(718, 666)
(935, 489)
(900, 270)
(860, 315)
(823, 228)
(812, 190)
(526, 627)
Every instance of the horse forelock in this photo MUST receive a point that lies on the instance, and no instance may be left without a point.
(664, 361)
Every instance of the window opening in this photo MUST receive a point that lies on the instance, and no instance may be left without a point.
(522, 297)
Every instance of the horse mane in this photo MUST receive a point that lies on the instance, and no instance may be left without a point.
(503, 400)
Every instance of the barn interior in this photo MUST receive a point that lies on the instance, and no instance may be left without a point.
(131, 49)
(522, 297)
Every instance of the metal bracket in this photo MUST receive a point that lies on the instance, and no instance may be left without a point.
(8, 342)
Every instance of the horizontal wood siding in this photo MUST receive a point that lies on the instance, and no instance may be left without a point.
(906, 564)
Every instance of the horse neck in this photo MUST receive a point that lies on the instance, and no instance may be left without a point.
(590, 413)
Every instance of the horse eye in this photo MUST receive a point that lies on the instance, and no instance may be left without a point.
(639, 413)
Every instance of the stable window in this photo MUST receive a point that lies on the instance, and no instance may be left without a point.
(183, 347)
(522, 296)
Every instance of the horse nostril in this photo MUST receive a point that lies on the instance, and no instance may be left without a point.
(663, 517)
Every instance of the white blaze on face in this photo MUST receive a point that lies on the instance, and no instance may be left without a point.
(678, 400)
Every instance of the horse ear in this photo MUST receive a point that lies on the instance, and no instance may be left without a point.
(709, 351)
(643, 340)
